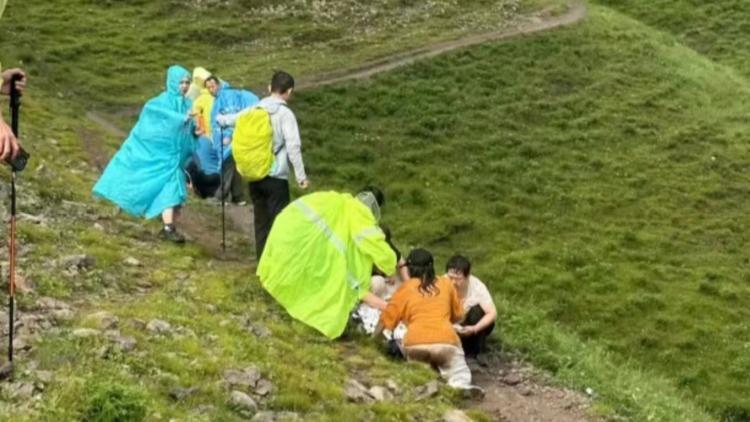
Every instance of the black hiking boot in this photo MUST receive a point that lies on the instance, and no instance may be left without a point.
(171, 234)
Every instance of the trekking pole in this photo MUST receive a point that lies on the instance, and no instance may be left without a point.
(15, 104)
(221, 184)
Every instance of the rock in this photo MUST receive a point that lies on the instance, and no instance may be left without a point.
(264, 417)
(45, 376)
(263, 387)
(243, 403)
(392, 386)
(99, 227)
(6, 370)
(80, 262)
(246, 378)
(380, 393)
(527, 391)
(180, 394)
(512, 379)
(21, 344)
(356, 392)
(33, 219)
(138, 324)
(49, 303)
(130, 261)
(103, 320)
(24, 391)
(124, 343)
(455, 415)
(85, 332)
(62, 315)
(158, 326)
(426, 391)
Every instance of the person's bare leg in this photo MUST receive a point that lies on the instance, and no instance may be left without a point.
(167, 216)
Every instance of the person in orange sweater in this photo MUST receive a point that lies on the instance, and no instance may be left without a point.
(429, 305)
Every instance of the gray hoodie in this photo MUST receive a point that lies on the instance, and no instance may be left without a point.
(286, 139)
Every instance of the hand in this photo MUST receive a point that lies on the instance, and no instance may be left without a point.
(466, 331)
(8, 142)
(8, 76)
(304, 184)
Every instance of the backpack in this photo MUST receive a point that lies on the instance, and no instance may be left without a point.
(252, 144)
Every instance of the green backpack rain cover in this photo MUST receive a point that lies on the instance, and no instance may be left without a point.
(252, 144)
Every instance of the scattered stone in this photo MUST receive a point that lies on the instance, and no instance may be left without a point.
(380, 393)
(356, 392)
(392, 386)
(45, 376)
(268, 416)
(80, 262)
(62, 315)
(33, 219)
(21, 344)
(180, 394)
(132, 262)
(48, 303)
(527, 391)
(6, 370)
(259, 330)
(103, 320)
(512, 379)
(263, 387)
(99, 227)
(85, 332)
(455, 415)
(426, 391)
(159, 327)
(246, 379)
(124, 343)
(24, 391)
(243, 403)
(138, 324)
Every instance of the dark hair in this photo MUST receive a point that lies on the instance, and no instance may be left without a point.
(281, 82)
(376, 192)
(460, 264)
(420, 264)
(211, 78)
(389, 241)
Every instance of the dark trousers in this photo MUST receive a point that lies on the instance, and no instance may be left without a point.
(474, 344)
(234, 187)
(269, 196)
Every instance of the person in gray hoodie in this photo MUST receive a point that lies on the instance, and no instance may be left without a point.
(271, 194)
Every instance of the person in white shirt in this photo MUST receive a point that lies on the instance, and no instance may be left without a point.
(479, 308)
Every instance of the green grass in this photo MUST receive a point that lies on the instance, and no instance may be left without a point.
(596, 174)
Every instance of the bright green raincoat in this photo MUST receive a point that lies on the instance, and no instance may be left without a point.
(318, 258)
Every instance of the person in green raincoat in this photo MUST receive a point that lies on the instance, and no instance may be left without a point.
(319, 257)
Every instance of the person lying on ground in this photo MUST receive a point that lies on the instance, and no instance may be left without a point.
(146, 176)
(428, 305)
(477, 303)
(319, 257)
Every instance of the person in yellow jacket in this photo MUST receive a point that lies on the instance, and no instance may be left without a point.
(319, 256)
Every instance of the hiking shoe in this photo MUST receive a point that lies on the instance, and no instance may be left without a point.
(472, 392)
(172, 235)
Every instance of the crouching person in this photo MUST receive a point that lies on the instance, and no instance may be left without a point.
(477, 304)
(428, 305)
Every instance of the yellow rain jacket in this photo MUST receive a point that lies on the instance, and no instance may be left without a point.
(318, 259)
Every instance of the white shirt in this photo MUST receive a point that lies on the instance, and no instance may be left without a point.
(476, 294)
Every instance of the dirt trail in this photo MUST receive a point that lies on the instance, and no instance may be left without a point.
(576, 12)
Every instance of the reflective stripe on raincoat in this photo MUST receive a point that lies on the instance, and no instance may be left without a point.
(318, 259)
(146, 176)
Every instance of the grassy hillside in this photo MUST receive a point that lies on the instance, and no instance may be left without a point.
(717, 29)
(594, 174)
(597, 174)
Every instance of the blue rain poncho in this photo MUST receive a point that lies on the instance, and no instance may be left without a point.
(146, 176)
(227, 106)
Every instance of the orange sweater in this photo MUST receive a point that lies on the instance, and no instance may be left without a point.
(428, 317)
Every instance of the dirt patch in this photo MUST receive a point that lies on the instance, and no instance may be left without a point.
(92, 145)
(515, 392)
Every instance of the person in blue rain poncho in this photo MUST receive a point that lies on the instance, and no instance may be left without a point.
(146, 177)
(229, 104)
